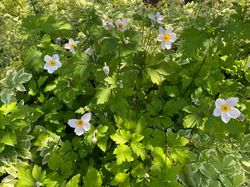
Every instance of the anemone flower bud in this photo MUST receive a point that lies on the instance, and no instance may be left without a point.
(94, 140)
(106, 69)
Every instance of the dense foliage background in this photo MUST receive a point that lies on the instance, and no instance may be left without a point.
(152, 121)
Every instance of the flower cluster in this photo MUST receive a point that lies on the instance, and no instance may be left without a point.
(223, 108)
(53, 63)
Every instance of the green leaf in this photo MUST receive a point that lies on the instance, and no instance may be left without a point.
(38, 174)
(122, 179)
(102, 138)
(138, 149)
(119, 105)
(25, 178)
(91, 174)
(6, 97)
(121, 136)
(160, 161)
(156, 75)
(73, 181)
(55, 161)
(33, 60)
(22, 77)
(7, 108)
(193, 41)
(107, 44)
(103, 95)
(62, 26)
(20, 87)
(123, 153)
(8, 138)
(192, 120)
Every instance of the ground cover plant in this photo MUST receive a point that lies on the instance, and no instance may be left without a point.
(125, 93)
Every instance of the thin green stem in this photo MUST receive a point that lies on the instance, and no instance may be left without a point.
(195, 75)
(142, 29)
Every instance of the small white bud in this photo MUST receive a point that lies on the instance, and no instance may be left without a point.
(126, 41)
(106, 69)
(196, 101)
(94, 140)
(242, 117)
(104, 22)
(146, 175)
(110, 26)
(121, 83)
(37, 184)
(88, 51)
(58, 40)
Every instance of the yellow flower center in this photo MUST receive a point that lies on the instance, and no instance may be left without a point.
(52, 62)
(166, 37)
(225, 108)
(80, 123)
(72, 45)
(120, 25)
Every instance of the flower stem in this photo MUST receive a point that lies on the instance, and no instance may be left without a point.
(195, 75)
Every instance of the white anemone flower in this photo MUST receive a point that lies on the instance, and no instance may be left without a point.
(166, 37)
(71, 45)
(52, 63)
(106, 69)
(156, 17)
(121, 24)
(89, 51)
(80, 125)
(225, 109)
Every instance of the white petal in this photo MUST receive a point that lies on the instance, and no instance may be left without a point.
(86, 126)
(168, 45)
(232, 101)
(233, 113)
(47, 58)
(163, 45)
(86, 117)
(151, 16)
(159, 37)
(124, 21)
(67, 46)
(217, 112)
(72, 50)
(169, 29)
(172, 37)
(158, 14)
(72, 123)
(161, 30)
(46, 66)
(59, 64)
(118, 21)
(50, 70)
(225, 118)
(71, 41)
(160, 19)
(55, 57)
(219, 102)
(79, 131)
